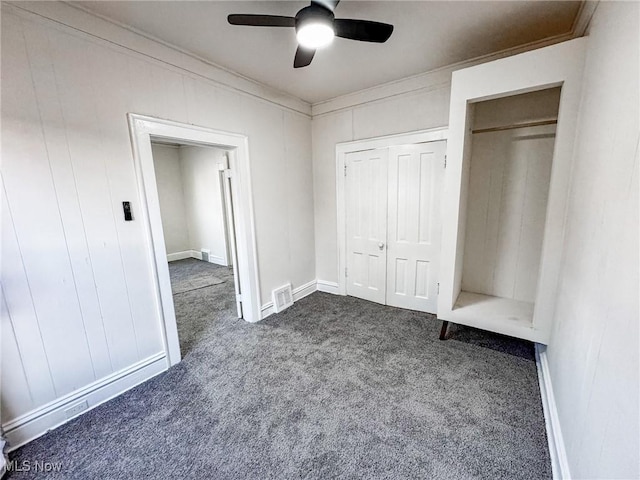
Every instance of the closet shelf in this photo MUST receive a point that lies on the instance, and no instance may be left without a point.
(506, 312)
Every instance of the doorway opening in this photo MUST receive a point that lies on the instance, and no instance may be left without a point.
(194, 194)
(179, 166)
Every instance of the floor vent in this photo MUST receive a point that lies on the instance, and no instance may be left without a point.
(205, 254)
(282, 298)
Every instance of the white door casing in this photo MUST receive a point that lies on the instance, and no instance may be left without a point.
(366, 229)
(143, 129)
(414, 225)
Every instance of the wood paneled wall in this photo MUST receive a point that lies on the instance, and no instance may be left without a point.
(506, 210)
(78, 295)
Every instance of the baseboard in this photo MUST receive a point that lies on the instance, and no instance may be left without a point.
(559, 462)
(172, 257)
(328, 287)
(217, 260)
(36, 423)
(298, 293)
(304, 290)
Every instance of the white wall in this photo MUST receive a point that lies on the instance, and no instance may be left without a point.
(203, 201)
(191, 200)
(415, 103)
(506, 208)
(528, 107)
(594, 351)
(424, 109)
(76, 278)
(166, 162)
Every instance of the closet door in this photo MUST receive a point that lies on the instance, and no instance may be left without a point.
(366, 216)
(414, 186)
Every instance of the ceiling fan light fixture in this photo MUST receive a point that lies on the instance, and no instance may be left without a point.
(315, 34)
(316, 26)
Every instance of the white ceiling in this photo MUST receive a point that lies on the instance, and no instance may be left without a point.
(427, 35)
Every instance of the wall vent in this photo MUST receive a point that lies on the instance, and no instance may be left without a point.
(282, 298)
(205, 254)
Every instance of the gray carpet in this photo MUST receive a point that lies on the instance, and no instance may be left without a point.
(196, 306)
(191, 274)
(334, 387)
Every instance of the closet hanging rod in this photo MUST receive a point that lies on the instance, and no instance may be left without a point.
(515, 125)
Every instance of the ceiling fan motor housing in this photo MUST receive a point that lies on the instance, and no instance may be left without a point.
(314, 14)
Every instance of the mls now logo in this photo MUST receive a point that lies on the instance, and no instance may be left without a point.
(36, 466)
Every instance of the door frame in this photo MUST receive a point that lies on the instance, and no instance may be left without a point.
(143, 129)
(342, 149)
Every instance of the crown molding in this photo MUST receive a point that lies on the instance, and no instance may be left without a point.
(582, 21)
(116, 35)
(437, 78)
(441, 77)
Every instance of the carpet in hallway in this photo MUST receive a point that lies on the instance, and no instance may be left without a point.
(191, 274)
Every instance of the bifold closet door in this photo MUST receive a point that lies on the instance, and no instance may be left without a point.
(413, 232)
(366, 229)
(393, 224)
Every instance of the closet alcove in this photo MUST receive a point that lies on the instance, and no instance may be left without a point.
(510, 171)
(512, 126)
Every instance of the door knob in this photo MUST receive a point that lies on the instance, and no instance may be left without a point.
(381, 246)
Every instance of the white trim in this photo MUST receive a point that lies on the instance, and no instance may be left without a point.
(266, 310)
(583, 19)
(172, 257)
(557, 452)
(394, 140)
(342, 149)
(304, 290)
(217, 260)
(298, 293)
(142, 129)
(37, 422)
(118, 35)
(433, 79)
(328, 287)
(126, 39)
(441, 77)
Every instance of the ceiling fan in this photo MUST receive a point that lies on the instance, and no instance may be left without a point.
(316, 26)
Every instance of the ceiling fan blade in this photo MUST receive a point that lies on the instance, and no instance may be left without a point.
(261, 20)
(303, 57)
(328, 4)
(363, 30)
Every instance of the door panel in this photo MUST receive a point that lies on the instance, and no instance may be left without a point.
(414, 189)
(231, 234)
(366, 215)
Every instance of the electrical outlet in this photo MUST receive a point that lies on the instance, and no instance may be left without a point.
(76, 409)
